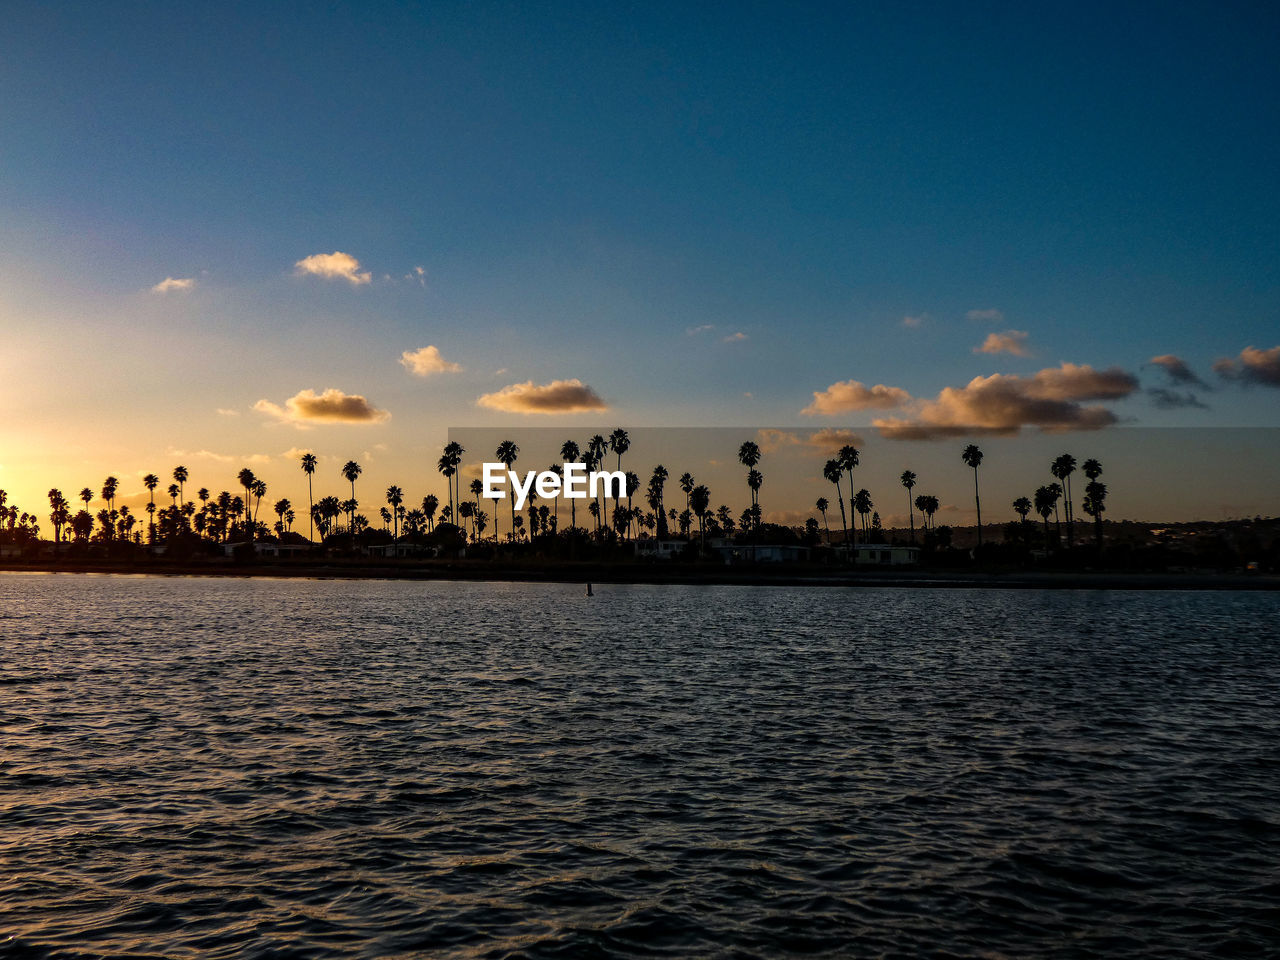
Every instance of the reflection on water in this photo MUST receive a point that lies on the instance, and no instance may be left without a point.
(258, 768)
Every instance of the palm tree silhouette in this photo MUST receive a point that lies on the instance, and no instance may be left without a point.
(1095, 495)
(430, 504)
(395, 497)
(1022, 506)
(619, 443)
(151, 481)
(862, 503)
(847, 457)
(1045, 500)
(506, 455)
(570, 453)
(247, 480)
(909, 481)
(973, 457)
(309, 467)
(657, 493)
(596, 448)
(453, 452)
(833, 472)
(180, 477)
(822, 505)
(351, 470)
(1062, 468)
(687, 484)
(699, 501)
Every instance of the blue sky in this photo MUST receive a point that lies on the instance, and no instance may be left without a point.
(611, 193)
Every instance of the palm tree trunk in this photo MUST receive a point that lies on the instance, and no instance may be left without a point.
(977, 503)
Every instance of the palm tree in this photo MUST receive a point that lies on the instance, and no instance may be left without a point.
(909, 481)
(1045, 499)
(1055, 494)
(822, 505)
(657, 485)
(619, 443)
(452, 459)
(109, 487)
(1062, 468)
(506, 455)
(309, 467)
(281, 508)
(87, 496)
(430, 504)
(569, 453)
(749, 456)
(180, 477)
(259, 491)
(351, 470)
(847, 457)
(699, 501)
(1095, 495)
(596, 448)
(862, 503)
(247, 480)
(687, 485)
(1022, 506)
(973, 457)
(833, 472)
(929, 506)
(395, 497)
(151, 481)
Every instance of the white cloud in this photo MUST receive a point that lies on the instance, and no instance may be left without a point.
(224, 412)
(426, 361)
(694, 331)
(910, 321)
(735, 337)
(334, 266)
(172, 284)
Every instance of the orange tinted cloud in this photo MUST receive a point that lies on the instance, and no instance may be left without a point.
(558, 396)
(1252, 366)
(850, 395)
(1011, 341)
(1003, 404)
(427, 361)
(332, 406)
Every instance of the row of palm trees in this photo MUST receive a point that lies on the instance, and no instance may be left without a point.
(228, 517)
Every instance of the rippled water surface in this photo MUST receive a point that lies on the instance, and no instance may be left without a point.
(288, 768)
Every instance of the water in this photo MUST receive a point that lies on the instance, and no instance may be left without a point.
(286, 768)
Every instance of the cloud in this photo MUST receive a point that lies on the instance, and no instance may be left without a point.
(332, 406)
(1011, 341)
(296, 453)
(426, 361)
(909, 321)
(1002, 404)
(830, 439)
(735, 337)
(170, 284)
(1177, 370)
(990, 315)
(1167, 399)
(224, 412)
(334, 266)
(1252, 366)
(558, 396)
(256, 458)
(694, 331)
(771, 440)
(849, 395)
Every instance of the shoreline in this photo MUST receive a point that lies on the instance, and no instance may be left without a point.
(626, 573)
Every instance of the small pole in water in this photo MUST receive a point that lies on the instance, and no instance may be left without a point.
(589, 593)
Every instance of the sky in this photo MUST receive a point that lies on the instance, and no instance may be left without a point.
(232, 233)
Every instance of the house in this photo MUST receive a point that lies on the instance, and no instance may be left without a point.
(886, 555)
(402, 550)
(269, 548)
(731, 552)
(653, 549)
